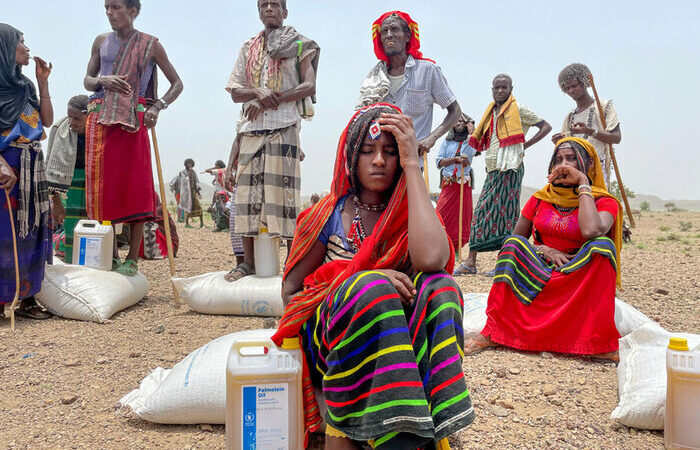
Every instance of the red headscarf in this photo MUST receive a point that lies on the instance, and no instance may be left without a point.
(385, 248)
(413, 47)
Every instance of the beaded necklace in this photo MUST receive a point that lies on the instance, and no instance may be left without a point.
(565, 211)
(367, 206)
(357, 232)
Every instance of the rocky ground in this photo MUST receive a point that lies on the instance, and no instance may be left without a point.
(60, 379)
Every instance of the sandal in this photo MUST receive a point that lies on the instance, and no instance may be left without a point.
(128, 268)
(464, 269)
(32, 311)
(244, 269)
(490, 273)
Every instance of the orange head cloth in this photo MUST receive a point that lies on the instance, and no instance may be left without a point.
(413, 47)
(566, 197)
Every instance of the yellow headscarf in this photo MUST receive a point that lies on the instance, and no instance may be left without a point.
(567, 198)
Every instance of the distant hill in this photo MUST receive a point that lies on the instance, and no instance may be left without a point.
(655, 203)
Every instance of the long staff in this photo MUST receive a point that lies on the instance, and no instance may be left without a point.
(166, 217)
(612, 153)
(14, 247)
(425, 171)
(461, 212)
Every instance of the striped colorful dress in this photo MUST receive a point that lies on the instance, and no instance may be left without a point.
(390, 374)
(533, 306)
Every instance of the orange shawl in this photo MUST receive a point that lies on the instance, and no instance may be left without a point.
(567, 198)
(509, 128)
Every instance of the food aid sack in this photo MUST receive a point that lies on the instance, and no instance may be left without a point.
(627, 317)
(194, 391)
(474, 314)
(85, 293)
(641, 376)
(210, 293)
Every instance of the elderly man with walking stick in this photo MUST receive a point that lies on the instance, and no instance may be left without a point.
(456, 180)
(274, 78)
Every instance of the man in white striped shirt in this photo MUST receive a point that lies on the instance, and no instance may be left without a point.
(406, 79)
(274, 79)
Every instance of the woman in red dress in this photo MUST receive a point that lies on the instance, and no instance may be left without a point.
(559, 294)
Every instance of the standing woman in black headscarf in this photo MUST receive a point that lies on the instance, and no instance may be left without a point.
(23, 116)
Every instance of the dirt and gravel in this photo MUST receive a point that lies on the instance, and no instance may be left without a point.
(60, 379)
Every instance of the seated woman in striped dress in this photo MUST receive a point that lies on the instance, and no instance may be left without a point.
(559, 294)
(368, 290)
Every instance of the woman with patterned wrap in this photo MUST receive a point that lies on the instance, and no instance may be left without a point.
(559, 294)
(23, 116)
(368, 290)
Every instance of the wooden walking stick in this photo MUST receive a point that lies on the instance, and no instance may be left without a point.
(612, 153)
(461, 213)
(14, 247)
(166, 217)
(425, 171)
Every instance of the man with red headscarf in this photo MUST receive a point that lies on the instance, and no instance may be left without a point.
(405, 78)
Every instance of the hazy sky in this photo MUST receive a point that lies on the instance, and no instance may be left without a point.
(642, 54)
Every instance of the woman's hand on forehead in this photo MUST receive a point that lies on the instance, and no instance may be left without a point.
(401, 127)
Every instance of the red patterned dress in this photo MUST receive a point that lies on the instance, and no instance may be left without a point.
(571, 309)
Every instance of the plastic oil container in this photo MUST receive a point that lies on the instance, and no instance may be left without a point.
(93, 244)
(267, 254)
(264, 396)
(682, 420)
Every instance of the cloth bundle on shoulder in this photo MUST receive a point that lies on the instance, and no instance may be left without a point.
(194, 391)
(84, 293)
(210, 293)
(61, 155)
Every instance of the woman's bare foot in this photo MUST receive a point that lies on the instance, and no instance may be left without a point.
(609, 356)
(477, 344)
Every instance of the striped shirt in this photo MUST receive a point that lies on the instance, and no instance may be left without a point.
(285, 114)
(423, 85)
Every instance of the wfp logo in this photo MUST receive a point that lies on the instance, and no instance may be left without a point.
(261, 307)
(249, 419)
